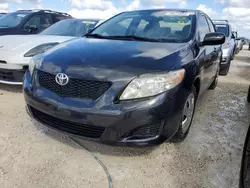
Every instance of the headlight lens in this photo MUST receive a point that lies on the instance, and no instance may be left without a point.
(226, 45)
(40, 49)
(152, 84)
(33, 63)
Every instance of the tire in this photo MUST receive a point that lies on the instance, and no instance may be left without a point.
(245, 168)
(224, 71)
(233, 55)
(248, 95)
(183, 131)
(215, 82)
(224, 68)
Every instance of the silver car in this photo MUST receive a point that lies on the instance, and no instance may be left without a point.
(228, 48)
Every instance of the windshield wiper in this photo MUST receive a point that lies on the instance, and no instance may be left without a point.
(125, 37)
(133, 37)
(97, 36)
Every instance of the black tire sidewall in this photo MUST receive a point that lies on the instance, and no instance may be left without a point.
(180, 136)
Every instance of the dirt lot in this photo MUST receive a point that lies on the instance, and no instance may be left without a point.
(33, 156)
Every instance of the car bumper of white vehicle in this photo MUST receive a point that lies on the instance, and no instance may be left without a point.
(12, 73)
(13, 77)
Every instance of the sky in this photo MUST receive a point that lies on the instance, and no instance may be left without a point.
(236, 11)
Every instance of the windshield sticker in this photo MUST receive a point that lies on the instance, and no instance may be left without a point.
(176, 13)
(221, 25)
(181, 22)
(88, 22)
(21, 15)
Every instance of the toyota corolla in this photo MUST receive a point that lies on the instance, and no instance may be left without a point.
(134, 79)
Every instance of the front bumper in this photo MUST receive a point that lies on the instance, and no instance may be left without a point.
(12, 77)
(139, 122)
(12, 67)
(226, 54)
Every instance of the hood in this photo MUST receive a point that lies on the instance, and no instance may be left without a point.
(23, 43)
(112, 59)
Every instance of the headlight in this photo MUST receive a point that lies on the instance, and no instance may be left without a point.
(226, 45)
(35, 61)
(152, 84)
(40, 49)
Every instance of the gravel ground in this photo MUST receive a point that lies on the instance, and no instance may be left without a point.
(32, 155)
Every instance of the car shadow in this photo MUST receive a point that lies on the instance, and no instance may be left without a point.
(93, 146)
(11, 88)
(240, 57)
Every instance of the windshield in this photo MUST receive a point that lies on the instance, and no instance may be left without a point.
(12, 19)
(76, 28)
(222, 29)
(163, 25)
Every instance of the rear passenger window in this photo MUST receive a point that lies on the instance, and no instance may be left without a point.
(203, 27)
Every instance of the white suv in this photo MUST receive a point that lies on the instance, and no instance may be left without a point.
(228, 47)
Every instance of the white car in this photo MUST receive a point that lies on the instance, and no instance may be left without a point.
(17, 50)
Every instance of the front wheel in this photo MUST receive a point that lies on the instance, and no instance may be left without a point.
(215, 82)
(233, 55)
(187, 117)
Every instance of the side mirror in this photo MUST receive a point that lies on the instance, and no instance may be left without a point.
(214, 39)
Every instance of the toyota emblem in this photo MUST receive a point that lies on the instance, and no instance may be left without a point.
(62, 79)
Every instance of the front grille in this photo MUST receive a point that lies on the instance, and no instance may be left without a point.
(12, 75)
(6, 75)
(68, 126)
(76, 88)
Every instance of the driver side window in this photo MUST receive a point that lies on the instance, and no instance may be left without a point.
(40, 22)
(203, 27)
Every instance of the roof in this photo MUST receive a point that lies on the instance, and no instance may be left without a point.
(92, 19)
(44, 11)
(166, 9)
(177, 10)
(83, 19)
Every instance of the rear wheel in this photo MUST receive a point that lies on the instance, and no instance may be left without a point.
(187, 117)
